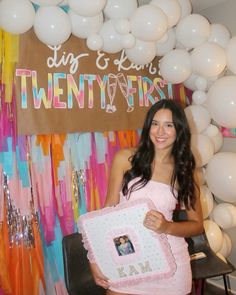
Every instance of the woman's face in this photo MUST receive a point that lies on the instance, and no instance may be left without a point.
(122, 240)
(162, 132)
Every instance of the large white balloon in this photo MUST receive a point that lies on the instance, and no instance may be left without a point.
(142, 53)
(226, 248)
(208, 59)
(148, 23)
(198, 118)
(46, 2)
(171, 8)
(175, 66)
(224, 215)
(230, 55)
(16, 16)
(119, 8)
(219, 35)
(111, 39)
(168, 45)
(186, 7)
(206, 199)
(52, 25)
(221, 101)
(83, 26)
(221, 176)
(87, 7)
(202, 148)
(214, 235)
(193, 30)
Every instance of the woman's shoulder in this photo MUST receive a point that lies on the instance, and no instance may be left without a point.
(123, 157)
(125, 154)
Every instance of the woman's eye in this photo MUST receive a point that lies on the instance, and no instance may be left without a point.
(170, 125)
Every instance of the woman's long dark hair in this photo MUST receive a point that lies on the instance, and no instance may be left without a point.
(141, 161)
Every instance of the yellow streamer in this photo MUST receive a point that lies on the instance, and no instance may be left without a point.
(1, 47)
(9, 49)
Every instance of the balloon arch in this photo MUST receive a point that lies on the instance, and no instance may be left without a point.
(194, 52)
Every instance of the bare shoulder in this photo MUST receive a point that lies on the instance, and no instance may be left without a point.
(123, 158)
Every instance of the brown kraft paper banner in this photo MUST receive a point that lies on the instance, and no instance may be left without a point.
(69, 88)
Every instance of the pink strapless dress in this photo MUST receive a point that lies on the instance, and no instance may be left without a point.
(181, 282)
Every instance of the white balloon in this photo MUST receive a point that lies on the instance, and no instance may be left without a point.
(83, 26)
(219, 34)
(224, 215)
(208, 59)
(52, 25)
(216, 138)
(226, 248)
(164, 47)
(206, 199)
(193, 30)
(202, 148)
(88, 7)
(221, 176)
(16, 16)
(111, 39)
(46, 2)
(230, 55)
(142, 53)
(221, 257)
(214, 235)
(148, 23)
(198, 118)
(128, 41)
(171, 8)
(211, 130)
(122, 26)
(186, 7)
(199, 97)
(175, 66)
(119, 8)
(94, 42)
(221, 101)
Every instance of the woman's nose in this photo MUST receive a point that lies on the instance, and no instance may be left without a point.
(161, 130)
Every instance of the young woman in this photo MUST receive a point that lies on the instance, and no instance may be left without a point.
(162, 169)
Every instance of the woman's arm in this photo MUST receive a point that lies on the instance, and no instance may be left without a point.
(156, 221)
(193, 226)
(120, 164)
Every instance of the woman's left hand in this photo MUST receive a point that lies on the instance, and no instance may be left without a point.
(156, 221)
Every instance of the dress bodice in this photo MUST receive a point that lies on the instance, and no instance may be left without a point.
(159, 193)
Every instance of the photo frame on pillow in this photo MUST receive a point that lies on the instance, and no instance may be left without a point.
(123, 248)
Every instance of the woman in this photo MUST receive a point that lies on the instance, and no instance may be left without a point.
(162, 169)
(125, 246)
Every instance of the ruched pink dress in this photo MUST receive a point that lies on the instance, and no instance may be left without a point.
(180, 283)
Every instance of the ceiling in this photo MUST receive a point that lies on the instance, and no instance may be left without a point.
(198, 5)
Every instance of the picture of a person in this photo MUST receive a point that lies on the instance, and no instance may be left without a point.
(124, 246)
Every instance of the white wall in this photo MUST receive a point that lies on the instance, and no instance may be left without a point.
(224, 14)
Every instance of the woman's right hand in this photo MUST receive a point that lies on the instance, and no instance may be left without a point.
(98, 276)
